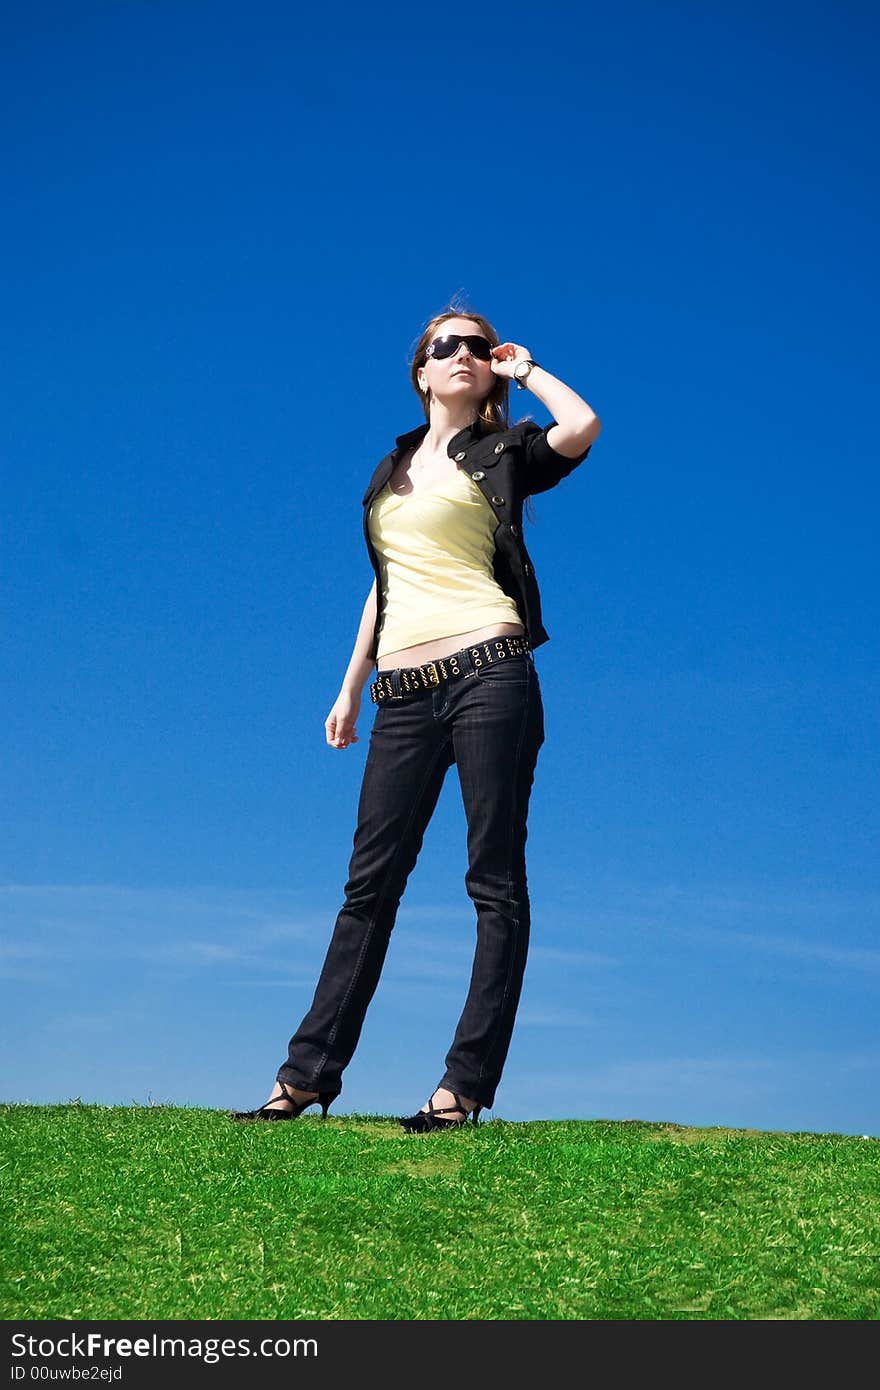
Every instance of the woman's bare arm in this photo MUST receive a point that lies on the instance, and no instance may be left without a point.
(361, 664)
(339, 725)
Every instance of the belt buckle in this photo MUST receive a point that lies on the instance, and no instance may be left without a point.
(431, 668)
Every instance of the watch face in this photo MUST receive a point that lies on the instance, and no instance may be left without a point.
(522, 369)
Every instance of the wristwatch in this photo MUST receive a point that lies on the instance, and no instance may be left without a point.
(521, 372)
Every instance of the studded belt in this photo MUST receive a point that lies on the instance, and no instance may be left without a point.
(411, 680)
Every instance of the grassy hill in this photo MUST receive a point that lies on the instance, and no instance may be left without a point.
(161, 1212)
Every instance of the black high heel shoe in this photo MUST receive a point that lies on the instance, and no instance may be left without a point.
(324, 1099)
(429, 1119)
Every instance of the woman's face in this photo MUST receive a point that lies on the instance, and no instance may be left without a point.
(461, 377)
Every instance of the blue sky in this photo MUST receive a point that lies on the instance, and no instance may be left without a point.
(225, 228)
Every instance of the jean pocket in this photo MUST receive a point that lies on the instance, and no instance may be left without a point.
(508, 670)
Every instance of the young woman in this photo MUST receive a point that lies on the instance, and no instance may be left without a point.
(450, 624)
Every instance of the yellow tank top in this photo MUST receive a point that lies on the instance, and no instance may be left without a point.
(435, 555)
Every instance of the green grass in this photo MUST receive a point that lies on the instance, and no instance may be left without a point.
(158, 1212)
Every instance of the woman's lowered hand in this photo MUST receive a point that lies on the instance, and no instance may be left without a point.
(340, 722)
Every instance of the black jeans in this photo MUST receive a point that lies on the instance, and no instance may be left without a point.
(490, 723)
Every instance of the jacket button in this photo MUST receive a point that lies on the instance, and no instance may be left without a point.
(477, 476)
(498, 448)
(513, 530)
(498, 501)
(459, 457)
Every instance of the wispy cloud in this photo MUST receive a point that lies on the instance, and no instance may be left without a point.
(739, 1074)
(24, 950)
(80, 1023)
(561, 955)
(554, 1018)
(48, 926)
(638, 1084)
(848, 957)
(795, 921)
(193, 951)
(52, 925)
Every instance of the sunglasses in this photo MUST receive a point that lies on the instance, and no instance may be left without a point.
(448, 346)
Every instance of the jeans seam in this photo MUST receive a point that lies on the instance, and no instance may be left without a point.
(331, 1036)
(501, 1010)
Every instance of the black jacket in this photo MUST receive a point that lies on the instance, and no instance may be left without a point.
(507, 466)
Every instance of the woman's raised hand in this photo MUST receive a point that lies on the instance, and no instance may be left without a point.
(340, 722)
(505, 357)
